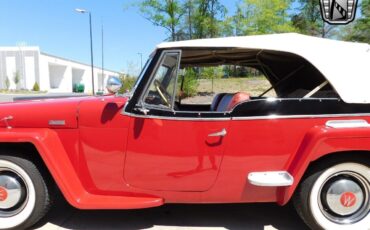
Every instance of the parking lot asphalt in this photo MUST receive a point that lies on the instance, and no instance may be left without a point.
(176, 217)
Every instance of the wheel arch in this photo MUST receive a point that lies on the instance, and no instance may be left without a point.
(338, 157)
(322, 144)
(43, 147)
(52, 153)
(25, 149)
(28, 151)
(286, 193)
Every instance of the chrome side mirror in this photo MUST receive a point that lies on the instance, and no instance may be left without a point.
(114, 84)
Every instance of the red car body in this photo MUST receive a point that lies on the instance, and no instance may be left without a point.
(98, 161)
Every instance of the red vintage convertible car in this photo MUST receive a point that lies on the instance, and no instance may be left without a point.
(305, 138)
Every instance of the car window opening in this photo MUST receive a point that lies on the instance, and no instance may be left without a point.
(218, 80)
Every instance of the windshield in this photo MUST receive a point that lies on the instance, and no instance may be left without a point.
(162, 88)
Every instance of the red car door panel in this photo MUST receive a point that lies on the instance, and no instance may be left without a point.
(174, 155)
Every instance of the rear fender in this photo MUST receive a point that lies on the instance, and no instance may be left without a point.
(318, 142)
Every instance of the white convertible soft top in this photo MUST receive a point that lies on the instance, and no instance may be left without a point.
(346, 65)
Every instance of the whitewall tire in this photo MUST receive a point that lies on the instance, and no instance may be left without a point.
(336, 197)
(24, 193)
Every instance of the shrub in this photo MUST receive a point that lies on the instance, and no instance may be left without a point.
(16, 78)
(190, 84)
(36, 87)
(211, 72)
(7, 83)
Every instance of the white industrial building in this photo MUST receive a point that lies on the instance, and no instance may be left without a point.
(53, 74)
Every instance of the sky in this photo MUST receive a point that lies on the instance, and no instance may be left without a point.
(58, 29)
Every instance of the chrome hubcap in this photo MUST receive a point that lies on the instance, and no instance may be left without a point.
(13, 193)
(345, 198)
(10, 191)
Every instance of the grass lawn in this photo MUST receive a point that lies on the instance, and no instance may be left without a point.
(255, 86)
(21, 91)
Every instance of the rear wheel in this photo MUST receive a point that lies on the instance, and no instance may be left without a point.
(24, 193)
(336, 197)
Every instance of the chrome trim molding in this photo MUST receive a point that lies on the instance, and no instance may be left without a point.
(177, 118)
(269, 117)
(57, 122)
(272, 117)
(271, 178)
(347, 124)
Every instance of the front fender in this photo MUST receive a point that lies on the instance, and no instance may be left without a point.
(318, 142)
(56, 160)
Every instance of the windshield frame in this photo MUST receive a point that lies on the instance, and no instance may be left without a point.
(141, 101)
(142, 72)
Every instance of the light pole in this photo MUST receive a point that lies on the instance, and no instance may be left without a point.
(83, 11)
(102, 55)
(141, 60)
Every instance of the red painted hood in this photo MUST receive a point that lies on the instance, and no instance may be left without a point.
(48, 113)
(53, 113)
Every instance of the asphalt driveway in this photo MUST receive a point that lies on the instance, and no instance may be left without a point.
(176, 217)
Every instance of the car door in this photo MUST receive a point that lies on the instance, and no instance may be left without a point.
(169, 150)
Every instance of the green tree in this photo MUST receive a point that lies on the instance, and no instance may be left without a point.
(211, 73)
(127, 83)
(264, 17)
(308, 20)
(360, 31)
(17, 79)
(208, 18)
(237, 21)
(190, 84)
(164, 13)
(7, 83)
(188, 23)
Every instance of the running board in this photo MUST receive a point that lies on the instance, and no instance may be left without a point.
(270, 178)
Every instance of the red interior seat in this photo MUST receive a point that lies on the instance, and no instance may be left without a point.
(227, 101)
(238, 98)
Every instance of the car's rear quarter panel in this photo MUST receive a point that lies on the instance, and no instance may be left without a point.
(273, 145)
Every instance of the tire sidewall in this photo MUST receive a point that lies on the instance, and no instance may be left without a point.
(314, 195)
(25, 214)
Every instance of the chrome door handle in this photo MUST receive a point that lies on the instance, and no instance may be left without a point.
(222, 133)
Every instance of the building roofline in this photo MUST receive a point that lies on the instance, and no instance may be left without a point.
(17, 48)
(78, 62)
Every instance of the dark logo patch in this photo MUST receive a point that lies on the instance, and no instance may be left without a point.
(338, 11)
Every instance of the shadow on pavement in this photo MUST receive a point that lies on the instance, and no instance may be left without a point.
(175, 216)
